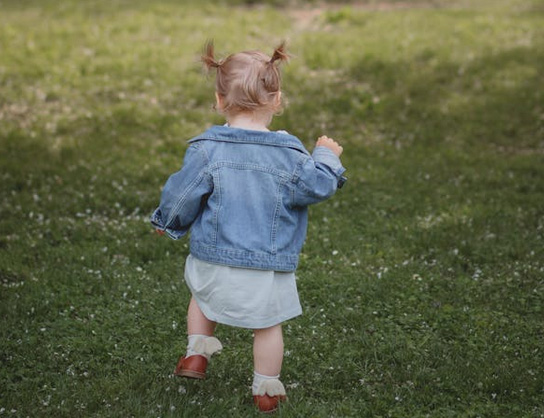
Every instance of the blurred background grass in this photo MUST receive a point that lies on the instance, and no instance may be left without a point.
(421, 281)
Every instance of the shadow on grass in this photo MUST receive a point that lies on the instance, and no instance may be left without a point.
(493, 101)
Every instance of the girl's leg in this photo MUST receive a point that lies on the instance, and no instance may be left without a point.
(197, 323)
(268, 350)
(201, 344)
(267, 389)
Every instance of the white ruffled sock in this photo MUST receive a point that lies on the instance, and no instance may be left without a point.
(202, 345)
(269, 385)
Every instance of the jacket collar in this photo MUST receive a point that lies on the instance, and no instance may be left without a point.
(246, 136)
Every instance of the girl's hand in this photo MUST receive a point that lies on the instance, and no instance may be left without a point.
(325, 141)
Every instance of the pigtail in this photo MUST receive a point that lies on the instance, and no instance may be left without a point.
(280, 54)
(271, 77)
(207, 57)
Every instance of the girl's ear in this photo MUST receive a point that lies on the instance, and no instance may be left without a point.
(219, 101)
(277, 100)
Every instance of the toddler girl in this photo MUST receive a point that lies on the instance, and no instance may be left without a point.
(243, 192)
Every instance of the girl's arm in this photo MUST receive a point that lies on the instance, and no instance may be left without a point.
(320, 176)
(183, 194)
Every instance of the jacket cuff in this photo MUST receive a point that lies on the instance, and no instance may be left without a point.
(326, 156)
(156, 221)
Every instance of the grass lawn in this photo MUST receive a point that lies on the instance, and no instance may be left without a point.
(422, 281)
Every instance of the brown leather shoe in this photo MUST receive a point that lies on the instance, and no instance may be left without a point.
(193, 367)
(268, 404)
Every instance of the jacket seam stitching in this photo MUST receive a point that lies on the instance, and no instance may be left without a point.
(275, 219)
(249, 166)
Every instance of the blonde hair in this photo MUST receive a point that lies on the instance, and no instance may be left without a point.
(248, 80)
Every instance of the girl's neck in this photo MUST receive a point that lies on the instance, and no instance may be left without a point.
(253, 121)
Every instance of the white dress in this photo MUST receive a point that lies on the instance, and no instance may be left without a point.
(242, 297)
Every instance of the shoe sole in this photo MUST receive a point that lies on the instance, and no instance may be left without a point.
(271, 411)
(191, 374)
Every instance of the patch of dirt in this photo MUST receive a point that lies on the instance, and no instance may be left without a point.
(393, 5)
(304, 17)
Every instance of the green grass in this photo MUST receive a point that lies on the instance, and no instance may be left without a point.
(422, 281)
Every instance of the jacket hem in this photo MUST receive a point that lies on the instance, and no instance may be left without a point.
(244, 259)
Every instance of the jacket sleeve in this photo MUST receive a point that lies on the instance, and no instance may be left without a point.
(183, 195)
(318, 177)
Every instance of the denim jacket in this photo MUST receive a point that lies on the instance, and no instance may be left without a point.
(244, 195)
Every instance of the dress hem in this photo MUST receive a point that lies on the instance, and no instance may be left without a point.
(240, 324)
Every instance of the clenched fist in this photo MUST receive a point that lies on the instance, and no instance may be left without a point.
(325, 141)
